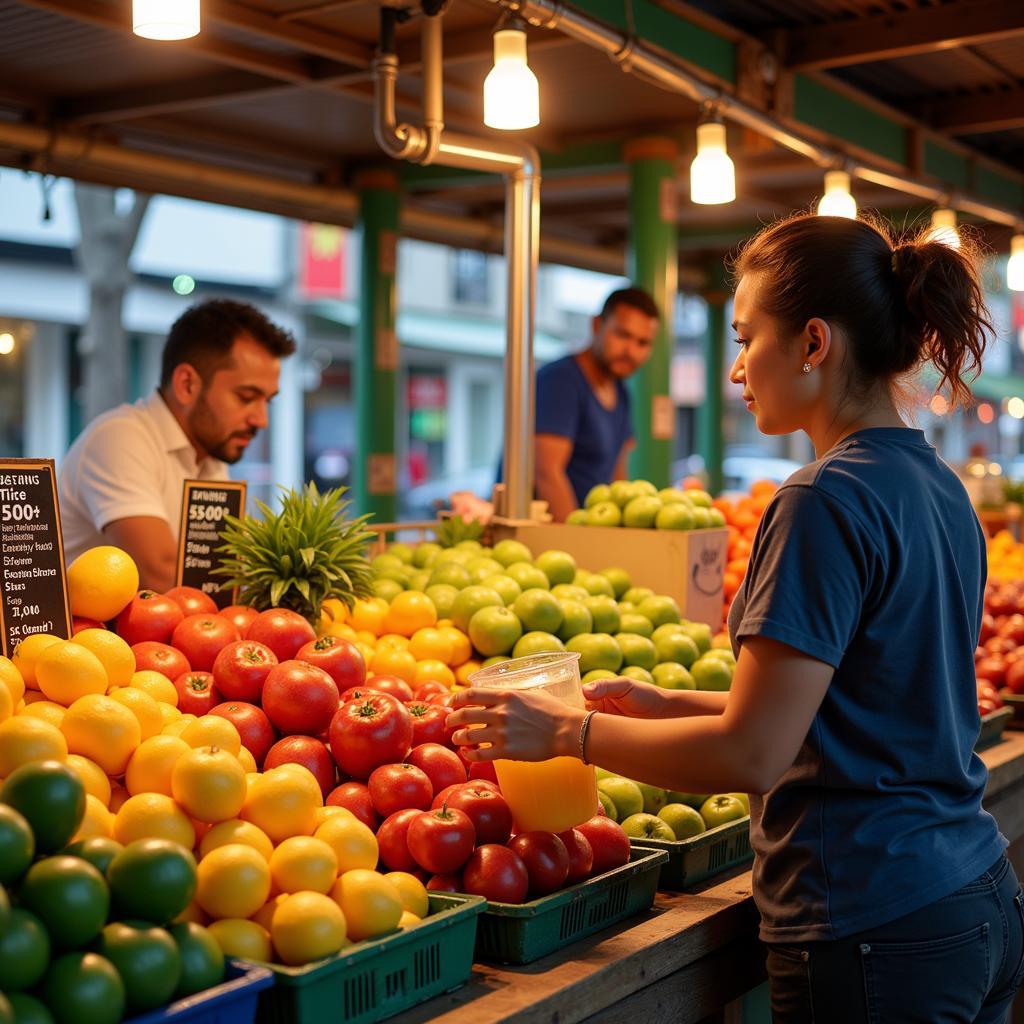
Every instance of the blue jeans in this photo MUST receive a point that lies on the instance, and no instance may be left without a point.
(957, 961)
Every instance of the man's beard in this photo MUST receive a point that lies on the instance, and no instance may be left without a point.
(204, 428)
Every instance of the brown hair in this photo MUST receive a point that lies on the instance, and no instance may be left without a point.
(634, 297)
(901, 302)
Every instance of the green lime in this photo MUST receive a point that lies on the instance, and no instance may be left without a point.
(28, 1009)
(99, 851)
(83, 988)
(52, 799)
(152, 880)
(69, 896)
(711, 674)
(24, 951)
(202, 962)
(17, 845)
(147, 959)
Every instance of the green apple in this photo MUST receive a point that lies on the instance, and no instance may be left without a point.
(470, 600)
(641, 675)
(576, 619)
(641, 512)
(420, 580)
(711, 674)
(722, 654)
(569, 592)
(596, 650)
(604, 513)
(631, 622)
(666, 629)
(597, 673)
(676, 647)
(528, 576)
(702, 519)
(503, 585)
(623, 492)
(605, 613)
(443, 595)
(636, 594)
(451, 573)
(577, 517)
(597, 585)
(402, 552)
(536, 643)
(654, 797)
(381, 562)
(603, 773)
(453, 555)
(558, 566)
(624, 794)
(700, 633)
(618, 578)
(644, 487)
(424, 555)
(700, 498)
(471, 547)
(693, 800)
(495, 659)
(538, 610)
(660, 609)
(673, 496)
(717, 517)
(677, 516)
(510, 551)
(387, 589)
(494, 630)
(647, 826)
(670, 675)
(721, 808)
(480, 567)
(743, 798)
(597, 494)
(637, 650)
(627, 608)
(684, 821)
(609, 805)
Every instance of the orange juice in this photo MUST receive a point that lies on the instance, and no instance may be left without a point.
(552, 795)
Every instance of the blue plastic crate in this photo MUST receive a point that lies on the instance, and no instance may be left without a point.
(233, 1001)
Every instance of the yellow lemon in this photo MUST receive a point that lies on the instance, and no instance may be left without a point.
(283, 803)
(156, 684)
(232, 881)
(209, 784)
(152, 765)
(308, 926)
(93, 777)
(97, 821)
(354, 845)
(236, 831)
(414, 895)
(153, 816)
(303, 863)
(24, 738)
(114, 654)
(101, 581)
(102, 730)
(11, 678)
(143, 707)
(239, 937)
(26, 654)
(66, 671)
(212, 731)
(47, 710)
(6, 704)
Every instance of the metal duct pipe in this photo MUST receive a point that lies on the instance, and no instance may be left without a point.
(628, 53)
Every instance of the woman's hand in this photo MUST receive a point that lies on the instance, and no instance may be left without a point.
(627, 697)
(520, 725)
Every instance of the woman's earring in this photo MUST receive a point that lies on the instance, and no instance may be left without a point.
(807, 367)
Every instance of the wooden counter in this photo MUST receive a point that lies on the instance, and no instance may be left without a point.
(682, 962)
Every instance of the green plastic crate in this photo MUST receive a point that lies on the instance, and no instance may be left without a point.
(374, 980)
(519, 933)
(692, 860)
(992, 726)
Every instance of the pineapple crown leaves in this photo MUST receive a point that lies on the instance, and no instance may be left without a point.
(300, 555)
(454, 529)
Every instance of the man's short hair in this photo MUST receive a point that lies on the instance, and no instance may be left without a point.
(637, 298)
(203, 335)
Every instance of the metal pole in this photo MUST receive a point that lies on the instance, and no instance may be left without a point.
(653, 263)
(709, 416)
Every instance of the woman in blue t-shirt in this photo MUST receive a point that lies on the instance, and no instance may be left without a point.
(883, 888)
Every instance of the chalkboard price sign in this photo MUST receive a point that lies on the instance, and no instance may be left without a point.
(33, 585)
(205, 506)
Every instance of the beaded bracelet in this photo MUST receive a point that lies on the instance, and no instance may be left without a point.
(584, 727)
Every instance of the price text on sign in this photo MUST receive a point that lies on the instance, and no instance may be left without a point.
(205, 506)
(33, 586)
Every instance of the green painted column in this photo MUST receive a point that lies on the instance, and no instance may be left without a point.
(376, 358)
(653, 263)
(710, 442)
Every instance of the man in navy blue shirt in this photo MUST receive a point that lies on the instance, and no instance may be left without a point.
(583, 427)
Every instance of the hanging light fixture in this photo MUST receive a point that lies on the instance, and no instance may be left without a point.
(165, 19)
(1015, 265)
(943, 228)
(511, 92)
(837, 200)
(712, 174)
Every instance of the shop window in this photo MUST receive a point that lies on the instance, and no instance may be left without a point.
(470, 283)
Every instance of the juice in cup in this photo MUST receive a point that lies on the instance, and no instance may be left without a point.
(553, 795)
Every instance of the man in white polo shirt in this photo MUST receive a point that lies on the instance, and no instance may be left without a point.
(121, 482)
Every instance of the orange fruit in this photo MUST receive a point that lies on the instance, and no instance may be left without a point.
(370, 902)
(366, 650)
(369, 615)
(168, 712)
(410, 610)
(395, 641)
(115, 655)
(265, 915)
(47, 710)
(390, 661)
(102, 730)
(334, 610)
(118, 796)
(152, 816)
(328, 811)
(430, 644)
(26, 654)
(283, 803)
(209, 784)
(24, 738)
(236, 831)
(177, 725)
(408, 920)
(465, 670)
(66, 671)
(366, 638)
(143, 707)
(97, 821)
(308, 926)
(462, 649)
(212, 731)
(433, 670)
(101, 581)
(11, 678)
(303, 863)
(247, 761)
(341, 630)
(6, 704)
(232, 881)
(239, 937)
(412, 892)
(152, 765)
(156, 684)
(93, 777)
(353, 843)
(193, 912)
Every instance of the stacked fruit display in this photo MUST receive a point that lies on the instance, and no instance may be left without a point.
(638, 504)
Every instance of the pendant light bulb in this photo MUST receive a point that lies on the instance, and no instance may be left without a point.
(511, 92)
(712, 174)
(1015, 266)
(837, 200)
(165, 19)
(943, 228)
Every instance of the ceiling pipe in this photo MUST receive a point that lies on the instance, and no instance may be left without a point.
(629, 52)
(520, 164)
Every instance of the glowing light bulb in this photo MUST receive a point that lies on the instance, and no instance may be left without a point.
(165, 19)
(943, 228)
(511, 92)
(1015, 265)
(712, 174)
(837, 200)
(6, 343)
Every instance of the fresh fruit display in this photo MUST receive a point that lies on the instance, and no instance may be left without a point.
(638, 504)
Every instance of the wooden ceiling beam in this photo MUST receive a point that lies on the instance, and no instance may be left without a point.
(981, 112)
(902, 34)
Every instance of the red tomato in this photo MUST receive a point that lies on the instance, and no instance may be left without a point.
(192, 601)
(1014, 678)
(487, 784)
(999, 645)
(282, 630)
(202, 637)
(428, 689)
(252, 724)
(368, 733)
(442, 766)
(397, 787)
(241, 670)
(391, 841)
(986, 706)
(359, 693)
(441, 841)
(609, 843)
(427, 722)
(496, 873)
(581, 855)
(993, 669)
(197, 693)
(307, 751)
(988, 627)
(1013, 629)
(299, 698)
(489, 812)
(339, 658)
(441, 797)
(483, 771)
(78, 623)
(444, 699)
(241, 615)
(450, 882)
(391, 684)
(148, 616)
(355, 797)
(153, 656)
(546, 860)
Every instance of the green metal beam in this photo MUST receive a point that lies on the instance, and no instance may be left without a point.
(710, 440)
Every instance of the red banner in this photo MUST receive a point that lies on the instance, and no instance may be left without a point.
(321, 261)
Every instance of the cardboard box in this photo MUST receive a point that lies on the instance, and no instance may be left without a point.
(688, 565)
